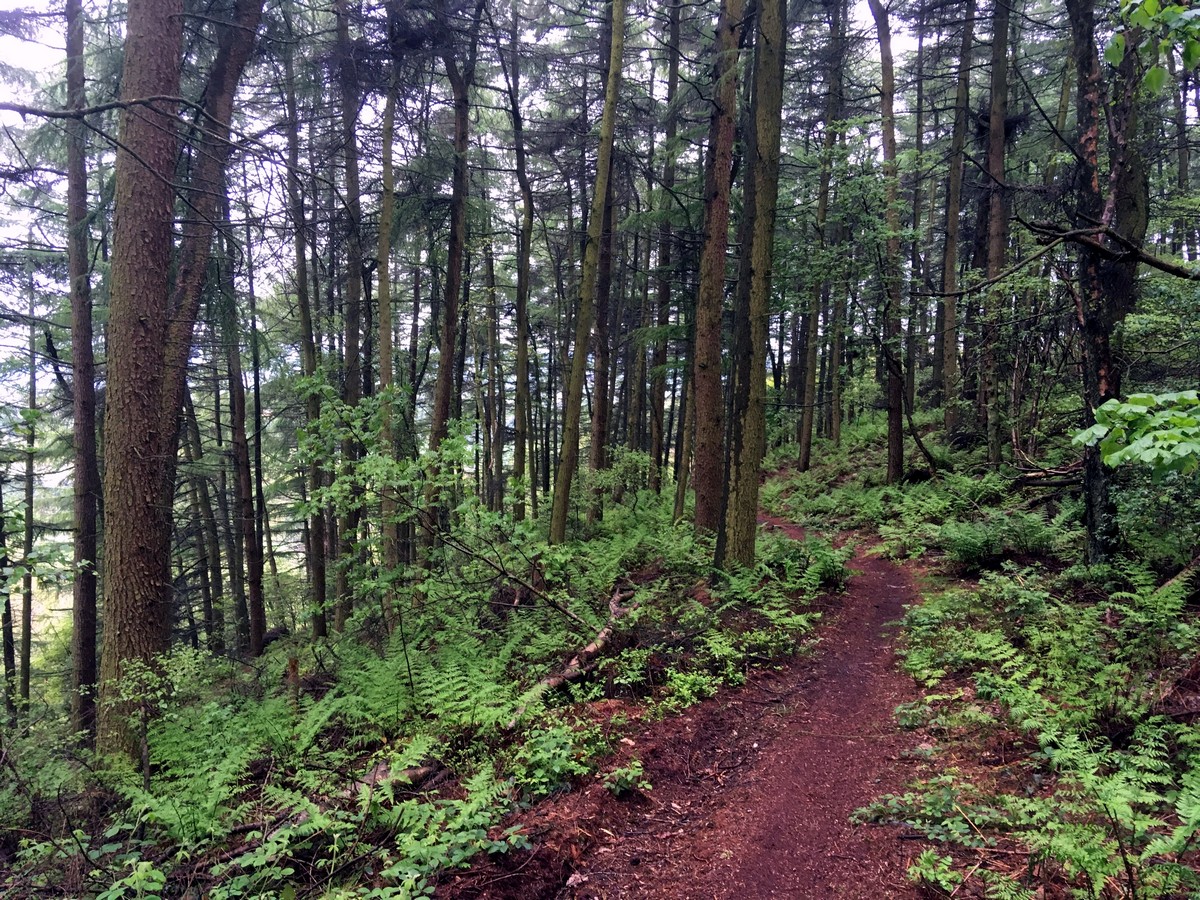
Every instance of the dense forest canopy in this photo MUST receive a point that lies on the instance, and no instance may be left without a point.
(339, 324)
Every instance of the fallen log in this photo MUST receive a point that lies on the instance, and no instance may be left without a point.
(583, 661)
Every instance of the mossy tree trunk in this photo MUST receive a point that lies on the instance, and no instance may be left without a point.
(736, 540)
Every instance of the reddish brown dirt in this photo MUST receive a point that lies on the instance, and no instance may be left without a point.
(753, 791)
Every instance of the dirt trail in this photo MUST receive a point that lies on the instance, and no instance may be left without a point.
(753, 792)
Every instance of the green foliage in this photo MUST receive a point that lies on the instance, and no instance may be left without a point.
(1080, 678)
(145, 880)
(548, 760)
(935, 871)
(258, 784)
(627, 779)
(1161, 432)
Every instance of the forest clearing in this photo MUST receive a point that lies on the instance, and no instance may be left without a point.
(518, 449)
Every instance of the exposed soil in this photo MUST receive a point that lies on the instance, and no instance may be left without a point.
(753, 791)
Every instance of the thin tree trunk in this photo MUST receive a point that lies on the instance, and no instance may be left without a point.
(243, 477)
(522, 410)
(588, 285)
(951, 387)
(348, 83)
(496, 415)
(315, 546)
(194, 454)
(231, 533)
(460, 81)
(602, 357)
(85, 468)
(997, 231)
(833, 105)
(890, 343)
(27, 506)
(666, 240)
(916, 257)
(7, 634)
(389, 507)
(261, 514)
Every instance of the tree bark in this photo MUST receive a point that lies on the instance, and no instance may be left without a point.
(708, 404)
(522, 409)
(347, 523)
(951, 387)
(315, 545)
(27, 507)
(890, 342)
(997, 231)
(833, 113)
(664, 274)
(7, 634)
(240, 445)
(573, 400)
(1107, 274)
(389, 508)
(736, 541)
(137, 526)
(151, 321)
(602, 357)
(460, 81)
(85, 469)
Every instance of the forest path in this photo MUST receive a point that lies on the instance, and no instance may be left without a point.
(753, 791)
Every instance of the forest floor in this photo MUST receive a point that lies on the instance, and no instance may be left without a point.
(753, 791)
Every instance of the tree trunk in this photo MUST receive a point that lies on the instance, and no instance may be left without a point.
(573, 400)
(664, 275)
(522, 410)
(890, 343)
(709, 433)
(736, 541)
(439, 429)
(916, 312)
(315, 545)
(85, 469)
(833, 114)
(27, 507)
(7, 634)
(602, 356)
(997, 231)
(151, 318)
(348, 83)
(137, 526)
(389, 507)
(214, 615)
(1107, 274)
(240, 445)
(951, 388)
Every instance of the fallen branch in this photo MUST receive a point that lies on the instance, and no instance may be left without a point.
(583, 661)
(1187, 573)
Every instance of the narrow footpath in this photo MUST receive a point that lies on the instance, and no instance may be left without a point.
(753, 792)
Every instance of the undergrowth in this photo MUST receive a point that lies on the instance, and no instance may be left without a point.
(1076, 685)
(365, 765)
(1105, 793)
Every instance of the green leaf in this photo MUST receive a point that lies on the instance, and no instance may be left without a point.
(1115, 51)
(1155, 79)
